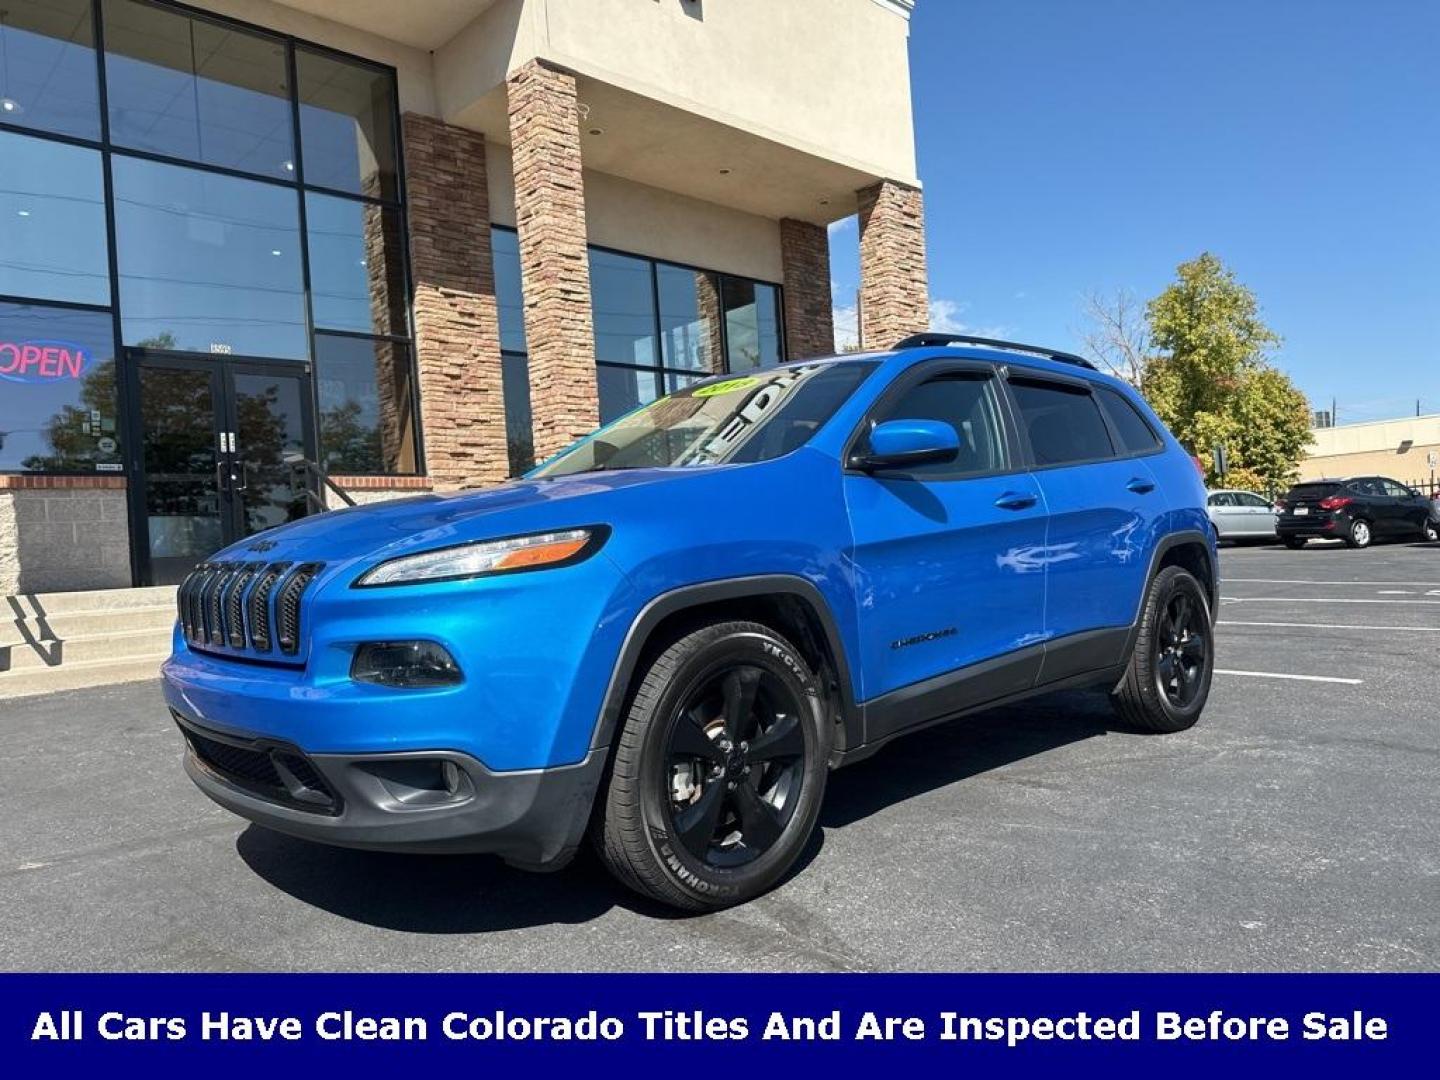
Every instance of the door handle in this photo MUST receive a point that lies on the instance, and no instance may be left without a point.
(221, 472)
(1015, 500)
(1140, 486)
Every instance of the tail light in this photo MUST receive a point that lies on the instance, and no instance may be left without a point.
(1335, 502)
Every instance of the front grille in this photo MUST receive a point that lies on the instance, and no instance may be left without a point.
(276, 774)
(235, 604)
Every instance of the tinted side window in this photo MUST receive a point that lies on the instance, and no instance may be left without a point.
(1397, 491)
(1367, 485)
(1222, 499)
(1063, 421)
(1136, 434)
(968, 404)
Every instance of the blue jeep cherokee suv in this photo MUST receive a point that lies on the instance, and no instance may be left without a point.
(667, 635)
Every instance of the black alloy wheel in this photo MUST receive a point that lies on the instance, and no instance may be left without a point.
(719, 769)
(735, 764)
(1182, 650)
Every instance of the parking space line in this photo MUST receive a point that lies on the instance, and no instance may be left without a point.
(1283, 675)
(1330, 626)
(1304, 581)
(1317, 600)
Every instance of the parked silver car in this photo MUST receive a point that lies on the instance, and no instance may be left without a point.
(1242, 515)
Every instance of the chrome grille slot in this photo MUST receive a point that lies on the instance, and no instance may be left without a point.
(287, 606)
(259, 606)
(235, 604)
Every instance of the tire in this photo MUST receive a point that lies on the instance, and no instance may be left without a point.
(687, 787)
(1359, 535)
(1294, 543)
(1430, 532)
(1144, 697)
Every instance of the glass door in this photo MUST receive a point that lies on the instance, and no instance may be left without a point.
(217, 438)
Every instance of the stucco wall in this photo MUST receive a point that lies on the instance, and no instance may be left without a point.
(649, 221)
(1395, 448)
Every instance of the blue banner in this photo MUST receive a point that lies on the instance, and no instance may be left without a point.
(1024, 1024)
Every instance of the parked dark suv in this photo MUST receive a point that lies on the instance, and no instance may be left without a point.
(1356, 510)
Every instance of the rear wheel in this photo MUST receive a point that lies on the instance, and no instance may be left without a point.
(719, 770)
(1168, 678)
(1294, 543)
(1359, 534)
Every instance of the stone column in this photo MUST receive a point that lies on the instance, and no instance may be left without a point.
(894, 289)
(457, 327)
(809, 315)
(554, 263)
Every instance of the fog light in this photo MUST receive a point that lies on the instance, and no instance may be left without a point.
(411, 665)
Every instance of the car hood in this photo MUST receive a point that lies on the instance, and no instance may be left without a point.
(398, 526)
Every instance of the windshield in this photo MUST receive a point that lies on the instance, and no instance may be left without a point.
(720, 421)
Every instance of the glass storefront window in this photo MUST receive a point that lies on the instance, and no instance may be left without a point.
(357, 280)
(190, 88)
(52, 221)
(689, 318)
(367, 415)
(57, 390)
(623, 304)
(208, 263)
(622, 389)
(505, 246)
(347, 125)
(519, 422)
(47, 67)
(752, 324)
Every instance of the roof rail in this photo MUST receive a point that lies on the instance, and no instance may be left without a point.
(917, 341)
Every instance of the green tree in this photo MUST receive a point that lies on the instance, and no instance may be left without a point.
(1206, 372)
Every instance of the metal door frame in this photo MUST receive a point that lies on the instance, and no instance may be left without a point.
(222, 370)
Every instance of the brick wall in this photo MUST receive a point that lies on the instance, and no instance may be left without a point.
(809, 314)
(894, 290)
(59, 534)
(554, 264)
(457, 330)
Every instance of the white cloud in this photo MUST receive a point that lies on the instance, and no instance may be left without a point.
(847, 327)
(844, 225)
(946, 317)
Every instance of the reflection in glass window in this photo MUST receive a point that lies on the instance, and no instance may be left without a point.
(367, 420)
(356, 278)
(57, 390)
(47, 67)
(623, 302)
(190, 88)
(207, 262)
(689, 318)
(505, 245)
(52, 221)
(519, 424)
(752, 324)
(623, 389)
(347, 128)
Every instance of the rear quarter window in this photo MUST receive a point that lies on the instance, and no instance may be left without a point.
(1136, 434)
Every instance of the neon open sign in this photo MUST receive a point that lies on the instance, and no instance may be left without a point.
(42, 361)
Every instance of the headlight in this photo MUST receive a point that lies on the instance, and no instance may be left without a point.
(534, 552)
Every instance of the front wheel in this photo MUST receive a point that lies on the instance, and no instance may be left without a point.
(1431, 532)
(1359, 534)
(719, 770)
(1168, 678)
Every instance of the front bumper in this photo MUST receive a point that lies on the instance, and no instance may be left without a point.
(388, 801)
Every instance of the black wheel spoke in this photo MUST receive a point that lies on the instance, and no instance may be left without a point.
(689, 740)
(695, 825)
(759, 823)
(1193, 648)
(785, 739)
(739, 692)
(1166, 666)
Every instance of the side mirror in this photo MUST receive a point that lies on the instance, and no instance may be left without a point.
(904, 444)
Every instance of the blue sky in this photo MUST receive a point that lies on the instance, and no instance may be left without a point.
(1068, 147)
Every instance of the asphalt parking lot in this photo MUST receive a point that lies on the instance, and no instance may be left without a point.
(1296, 828)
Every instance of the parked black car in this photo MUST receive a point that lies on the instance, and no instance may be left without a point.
(1357, 510)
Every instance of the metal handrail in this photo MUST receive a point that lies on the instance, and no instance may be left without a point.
(300, 464)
